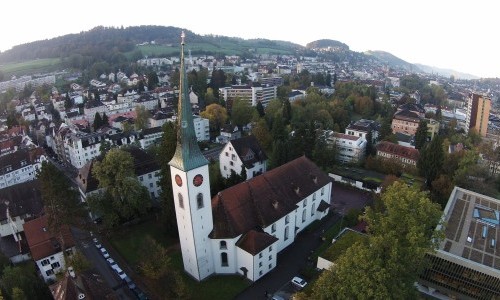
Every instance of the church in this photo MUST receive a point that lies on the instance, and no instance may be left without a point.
(243, 228)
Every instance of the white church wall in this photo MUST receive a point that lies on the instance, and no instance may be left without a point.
(230, 250)
(245, 260)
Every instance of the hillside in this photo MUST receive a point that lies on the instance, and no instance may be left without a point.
(446, 72)
(392, 60)
(327, 44)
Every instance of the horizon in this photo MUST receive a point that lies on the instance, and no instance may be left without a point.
(429, 33)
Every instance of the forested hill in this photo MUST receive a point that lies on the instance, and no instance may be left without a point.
(98, 42)
(102, 43)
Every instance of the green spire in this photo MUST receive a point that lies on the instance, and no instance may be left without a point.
(187, 153)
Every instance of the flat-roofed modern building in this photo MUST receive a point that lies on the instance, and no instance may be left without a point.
(478, 112)
(467, 263)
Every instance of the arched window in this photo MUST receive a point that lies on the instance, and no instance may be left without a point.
(304, 215)
(313, 209)
(287, 219)
(223, 259)
(223, 245)
(199, 200)
(286, 233)
(273, 228)
(181, 200)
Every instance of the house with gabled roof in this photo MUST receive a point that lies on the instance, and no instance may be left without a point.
(246, 153)
(46, 249)
(405, 155)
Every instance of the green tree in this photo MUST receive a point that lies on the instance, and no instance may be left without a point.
(156, 264)
(18, 278)
(60, 200)
(168, 144)
(421, 134)
(262, 134)
(105, 120)
(287, 111)
(18, 294)
(79, 262)
(142, 117)
(324, 154)
(241, 113)
(260, 109)
(97, 121)
(153, 80)
(389, 261)
(124, 197)
(280, 154)
(430, 162)
(370, 148)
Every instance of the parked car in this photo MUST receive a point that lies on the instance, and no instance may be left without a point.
(131, 285)
(104, 252)
(111, 261)
(97, 243)
(119, 271)
(299, 282)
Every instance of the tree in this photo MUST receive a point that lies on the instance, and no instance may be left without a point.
(105, 120)
(324, 154)
(260, 109)
(388, 262)
(262, 134)
(241, 113)
(370, 149)
(16, 278)
(210, 97)
(67, 101)
(216, 115)
(79, 262)
(153, 80)
(168, 144)
(430, 162)
(280, 153)
(421, 135)
(18, 294)
(287, 111)
(97, 121)
(142, 118)
(124, 197)
(60, 200)
(156, 264)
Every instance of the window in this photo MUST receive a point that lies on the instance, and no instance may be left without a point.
(55, 265)
(260, 255)
(223, 245)
(150, 175)
(52, 258)
(225, 168)
(140, 178)
(49, 272)
(227, 154)
(233, 156)
(150, 184)
(270, 257)
(223, 259)
(260, 264)
(45, 262)
(305, 203)
(287, 219)
(231, 163)
(304, 215)
(314, 196)
(181, 200)
(286, 233)
(273, 228)
(260, 273)
(199, 200)
(312, 209)
(322, 191)
(270, 248)
(270, 266)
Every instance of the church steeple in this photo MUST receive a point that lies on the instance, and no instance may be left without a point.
(187, 155)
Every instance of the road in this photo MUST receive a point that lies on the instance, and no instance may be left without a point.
(87, 247)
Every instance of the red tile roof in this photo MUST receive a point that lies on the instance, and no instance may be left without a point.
(395, 149)
(254, 241)
(264, 199)
(43, 243)
(345, 136)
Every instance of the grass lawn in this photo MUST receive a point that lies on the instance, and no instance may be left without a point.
(328, 236)
(128, 241)
(128, 244)
(36, 65)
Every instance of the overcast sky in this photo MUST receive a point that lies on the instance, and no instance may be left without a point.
(460, 35)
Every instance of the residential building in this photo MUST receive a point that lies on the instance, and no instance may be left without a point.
(83, 147)
(150, 136)
(243, 228)
(201, 128)
(478, 112)
(362, 127)
(20, 166)
(242, 153)
(251, 93)
(82, 285)
(405, 155)
(466, 264)
(350, 148)
(405, 121)
(19, 203)
(228, 133)
(46, 248)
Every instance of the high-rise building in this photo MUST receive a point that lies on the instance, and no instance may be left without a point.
(478, 112)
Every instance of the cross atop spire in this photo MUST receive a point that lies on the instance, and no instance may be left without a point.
(187, 155)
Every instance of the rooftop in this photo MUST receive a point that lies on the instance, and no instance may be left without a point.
(472, 228)
(346, 238)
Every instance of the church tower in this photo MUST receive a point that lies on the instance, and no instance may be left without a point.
(191, 189)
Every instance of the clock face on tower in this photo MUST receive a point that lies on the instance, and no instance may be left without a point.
(178, 180)
(198, 180)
